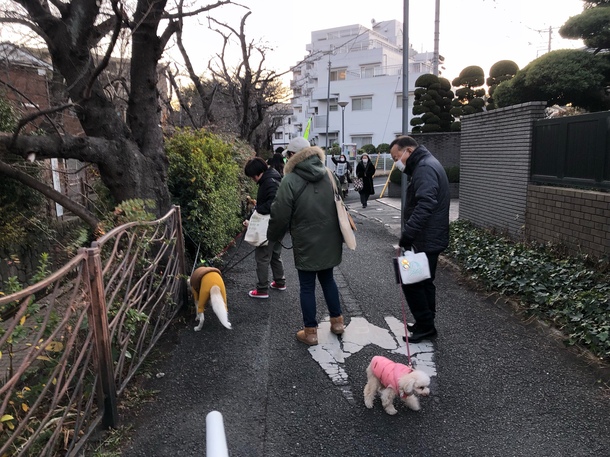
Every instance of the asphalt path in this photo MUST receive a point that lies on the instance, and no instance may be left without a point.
(501, 386)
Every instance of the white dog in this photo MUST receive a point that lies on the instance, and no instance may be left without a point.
(390, 379)
(207, 285)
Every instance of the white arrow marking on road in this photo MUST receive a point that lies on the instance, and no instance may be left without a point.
(331, 352)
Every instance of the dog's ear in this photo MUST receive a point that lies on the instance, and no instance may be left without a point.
(407, 383)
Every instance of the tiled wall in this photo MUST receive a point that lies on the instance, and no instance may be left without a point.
(495, 166)
(495, 191)
(577, 219)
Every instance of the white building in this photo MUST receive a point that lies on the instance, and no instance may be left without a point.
(364, 67)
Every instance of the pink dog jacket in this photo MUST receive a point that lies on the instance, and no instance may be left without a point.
(389, 372)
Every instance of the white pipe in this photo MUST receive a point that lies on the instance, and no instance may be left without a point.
(59, 210)
(216, 441)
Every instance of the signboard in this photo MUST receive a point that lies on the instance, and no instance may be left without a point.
(350, 150)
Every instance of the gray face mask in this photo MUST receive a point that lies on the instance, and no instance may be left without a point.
(365, 161)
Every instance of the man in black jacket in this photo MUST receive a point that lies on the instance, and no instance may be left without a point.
(425, 226)
(268, 180)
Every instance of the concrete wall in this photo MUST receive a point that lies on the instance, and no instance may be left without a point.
(495, 166)
(577, 219)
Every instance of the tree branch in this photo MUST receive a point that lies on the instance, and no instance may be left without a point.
(14, 20)
(85, 149)
(78, 210)
(119, 15)
(24, 120)
(182, 14)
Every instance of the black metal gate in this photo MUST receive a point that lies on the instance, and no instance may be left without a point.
(572, 151)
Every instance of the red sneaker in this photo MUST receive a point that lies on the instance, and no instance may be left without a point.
(274, 285)
(258, 294)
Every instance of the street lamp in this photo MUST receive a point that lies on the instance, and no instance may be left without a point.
(342, 105)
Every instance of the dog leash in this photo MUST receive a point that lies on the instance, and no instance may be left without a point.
(196, 257)
(404, 318)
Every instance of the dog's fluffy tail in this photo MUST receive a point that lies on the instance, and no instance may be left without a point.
(219, 306)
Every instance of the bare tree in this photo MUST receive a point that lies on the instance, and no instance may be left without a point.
(128, 152)
(244, 92)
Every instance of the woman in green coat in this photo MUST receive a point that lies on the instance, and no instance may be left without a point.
(305, 206)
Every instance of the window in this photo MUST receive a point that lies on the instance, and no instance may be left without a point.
(362, 104)
(333, 107)
(362, 140)
(370, 71)
(399, 101)
(337, 75)
(279, 135)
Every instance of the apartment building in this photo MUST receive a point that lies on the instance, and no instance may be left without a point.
(350, 84)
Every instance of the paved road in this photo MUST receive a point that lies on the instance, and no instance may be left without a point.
(500, 386)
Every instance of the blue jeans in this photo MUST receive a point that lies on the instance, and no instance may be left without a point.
(307, 281)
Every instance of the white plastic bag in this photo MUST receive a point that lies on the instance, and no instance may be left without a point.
(256, 234)
(413, 267)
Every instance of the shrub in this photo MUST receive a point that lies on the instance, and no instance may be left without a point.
(567, 291)
(396, 176)
(453, 174)
(383, 148)
(369, 149)
(204, 179)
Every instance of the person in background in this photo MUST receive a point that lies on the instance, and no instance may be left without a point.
(277, 162)
(268, 180)
(425, 226)
(305, 205)
(342, 169)
(365, 170)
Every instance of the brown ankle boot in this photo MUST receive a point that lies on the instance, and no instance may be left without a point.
(336, 325)
(308, 335)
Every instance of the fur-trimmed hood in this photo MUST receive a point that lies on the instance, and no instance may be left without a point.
(307, 163)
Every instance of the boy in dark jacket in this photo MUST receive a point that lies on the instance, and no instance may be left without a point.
(425, 226)
(268, 180)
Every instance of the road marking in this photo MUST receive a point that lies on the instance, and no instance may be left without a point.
(331, 351)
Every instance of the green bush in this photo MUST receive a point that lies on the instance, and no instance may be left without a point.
(383, 148)
(369, 149)
(571, 292)
(204, 179)
(8, 119)
(453, 174)
(396, 176)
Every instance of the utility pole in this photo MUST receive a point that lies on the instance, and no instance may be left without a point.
(328, 101)
(405, 69)
(436, 36)
(405, 101)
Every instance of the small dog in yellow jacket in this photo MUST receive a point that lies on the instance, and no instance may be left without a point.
(207, 285)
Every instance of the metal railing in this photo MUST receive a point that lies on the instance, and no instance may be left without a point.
(70, 344)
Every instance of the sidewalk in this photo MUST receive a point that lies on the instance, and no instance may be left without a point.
(500, 386)
(387, 211)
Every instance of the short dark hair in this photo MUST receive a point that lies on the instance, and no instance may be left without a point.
(404, 141)
(255, 167)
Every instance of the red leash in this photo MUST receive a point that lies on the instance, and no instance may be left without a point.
(404, 317)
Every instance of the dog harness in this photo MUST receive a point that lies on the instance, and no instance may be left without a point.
(202, 281)
(389, 372)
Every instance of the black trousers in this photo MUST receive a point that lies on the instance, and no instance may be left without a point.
(421, 297)
(364, 198)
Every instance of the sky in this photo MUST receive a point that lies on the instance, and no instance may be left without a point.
(472, 32)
